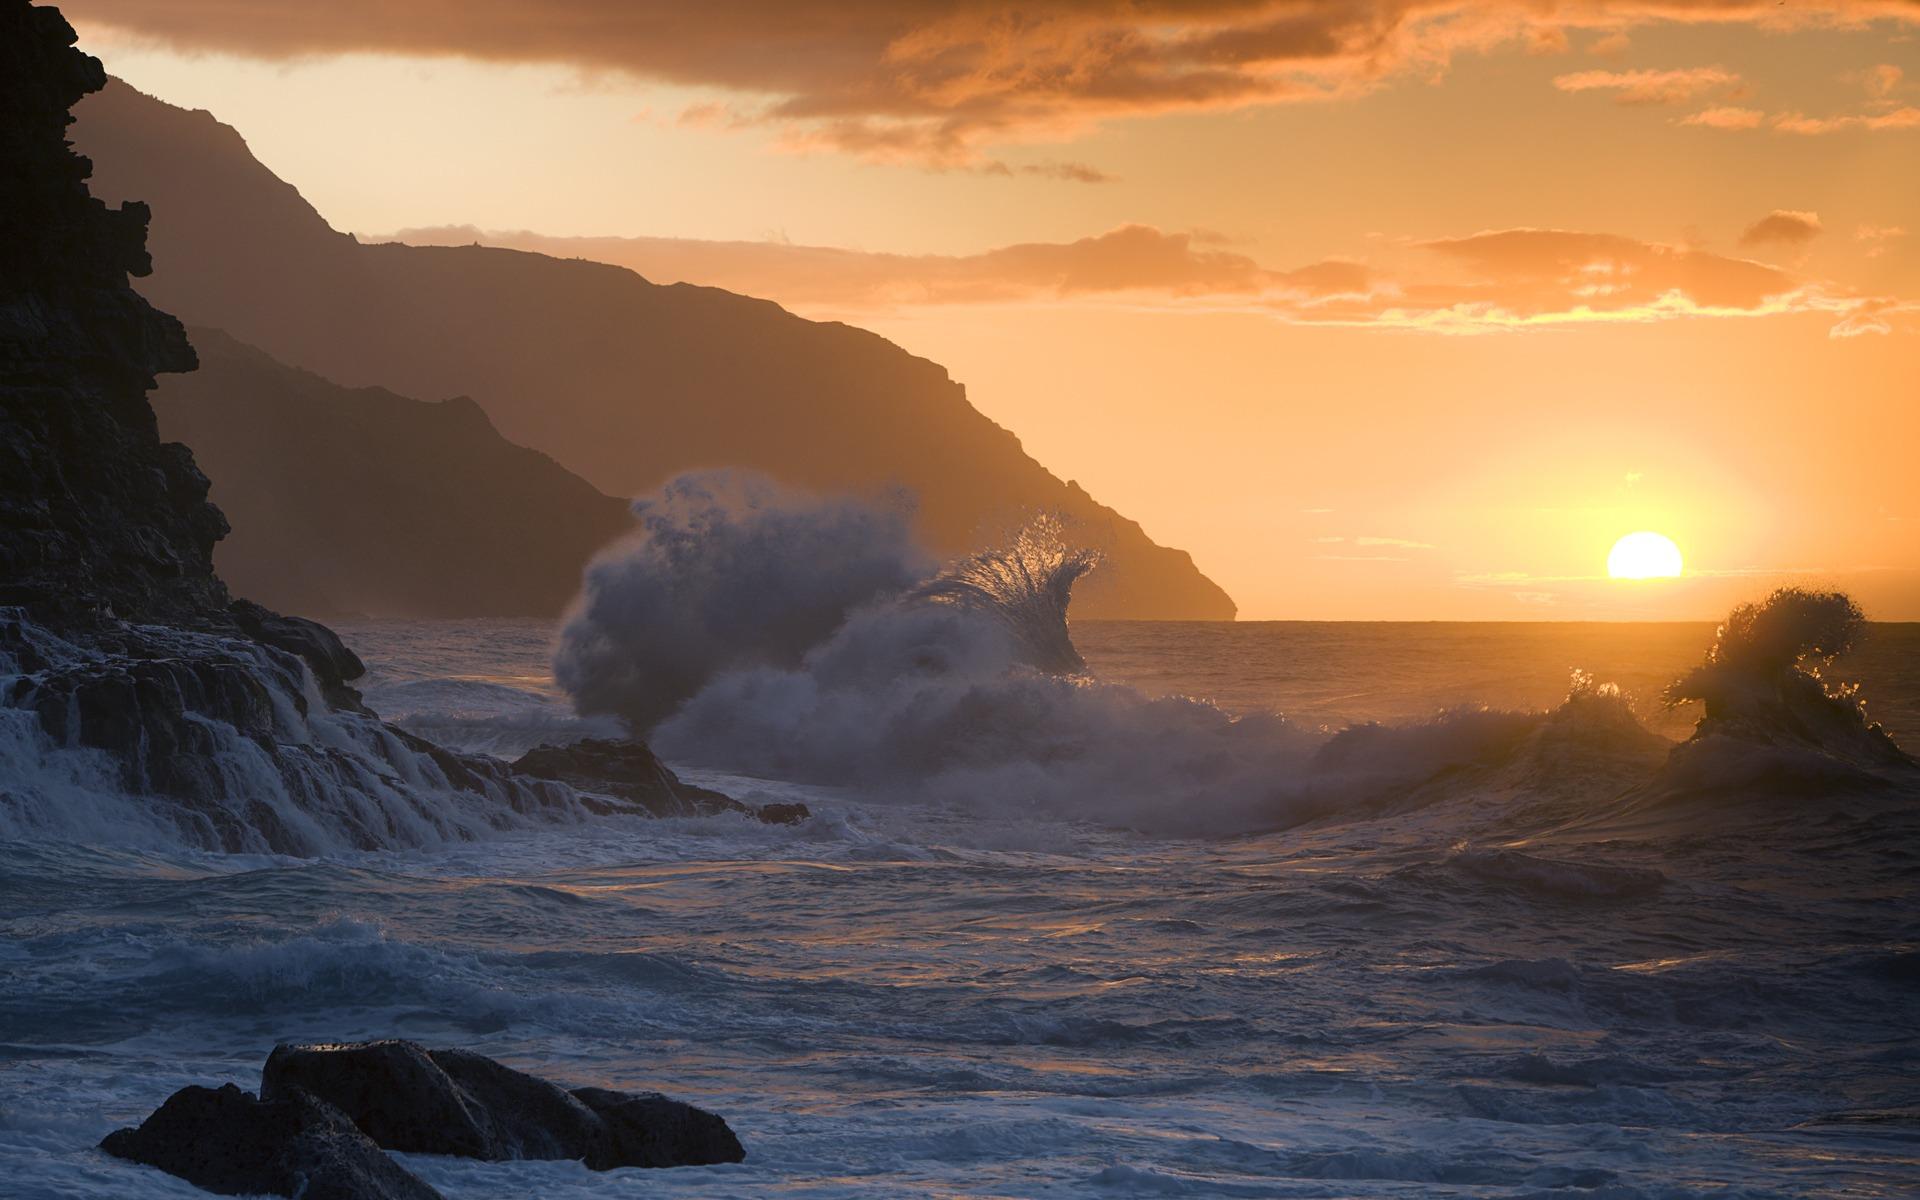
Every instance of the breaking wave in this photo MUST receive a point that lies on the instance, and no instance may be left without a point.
(963, 687)
(727, 570)
(179, 738)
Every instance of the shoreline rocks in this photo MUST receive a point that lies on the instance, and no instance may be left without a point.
(229, 1141)
(407, 1097)
(327, 1113)
(628, 771)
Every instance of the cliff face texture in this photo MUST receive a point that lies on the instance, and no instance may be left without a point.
(356, 500)
(100, 518)
(138, 703)
(622, 381)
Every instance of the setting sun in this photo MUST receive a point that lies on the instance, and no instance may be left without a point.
(1644, 556)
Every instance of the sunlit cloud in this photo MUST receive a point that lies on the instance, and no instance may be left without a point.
(1649, 87)
(936, 83)
(1485, 282)
(1726, 117)
(1905, 117)
(1882, 80)
(1879, 239)
(1782, 227)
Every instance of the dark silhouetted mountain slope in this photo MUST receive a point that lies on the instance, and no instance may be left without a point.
(621, 380)
(347, 500)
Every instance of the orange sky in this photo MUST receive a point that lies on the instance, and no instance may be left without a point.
(1380, 309)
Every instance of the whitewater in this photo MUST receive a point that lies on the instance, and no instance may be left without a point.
(910, 996)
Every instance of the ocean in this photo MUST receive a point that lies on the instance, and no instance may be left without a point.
(1441, 957)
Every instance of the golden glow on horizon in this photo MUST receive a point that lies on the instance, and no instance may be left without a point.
(1644, 555)
(1632, 260)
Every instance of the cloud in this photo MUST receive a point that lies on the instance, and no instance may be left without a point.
(1878, 316)
(1132, 259)
(935, 81)
(1882, 80)
(1610, 45)
(1541, 272)
(1782, 227)
(1878, 239)
(1493, 280)
(1726, 117)
(1649, 87)
(1905, 117)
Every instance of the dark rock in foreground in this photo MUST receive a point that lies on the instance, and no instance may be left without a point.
(408, 1098)
(227, 1141)
(633, 773)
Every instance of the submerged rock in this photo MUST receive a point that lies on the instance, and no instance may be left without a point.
(630, 772)
(408, 1098)
(228, 1141)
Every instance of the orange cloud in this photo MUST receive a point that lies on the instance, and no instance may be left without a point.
(1649, 87)
(1906, 117)
(1782, 227)
(1726, 117)
(936, 80)
(1500, 279)
(1880, 81)
(1878, 239)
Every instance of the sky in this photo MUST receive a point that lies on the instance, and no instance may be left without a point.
(1383, 310)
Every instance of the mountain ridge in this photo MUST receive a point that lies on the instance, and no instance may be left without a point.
(623, 381)
(360, 501)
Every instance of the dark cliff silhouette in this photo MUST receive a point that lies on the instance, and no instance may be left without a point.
(348, 500)
(144, 702)
(100, 518)
(621, 380)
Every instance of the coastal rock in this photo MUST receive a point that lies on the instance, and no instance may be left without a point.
(135, 692)
(632, 773)
(227, 1141)
(97, 516)
(406, 1097)
(332, 663)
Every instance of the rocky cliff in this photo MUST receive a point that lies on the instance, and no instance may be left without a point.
(622, 381)
(138, 703)
(357, 500)
(100, 517)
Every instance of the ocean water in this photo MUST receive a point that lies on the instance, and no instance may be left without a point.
(1463, 966)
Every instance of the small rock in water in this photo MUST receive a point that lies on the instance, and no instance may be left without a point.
(406, 1097)
(227, 1141)
(633, 773)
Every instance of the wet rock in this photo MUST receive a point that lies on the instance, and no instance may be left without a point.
(227, 1141)
(115, 633)
(628, 771)
(784, 814)
(325, 654)
(406, 1097)
(647, 1129)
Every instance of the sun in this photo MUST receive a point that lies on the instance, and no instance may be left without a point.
(1644, 555)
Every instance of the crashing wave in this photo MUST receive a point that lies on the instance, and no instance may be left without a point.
(167, 737)
(1025, 586)
(1762, 681)
(727, 570)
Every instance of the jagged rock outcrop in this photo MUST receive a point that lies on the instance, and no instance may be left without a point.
(406, 1097)
(625, 382)
(630, 772)
(356, 500)
(228, 1141)
(99, 517)
(138, 697)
